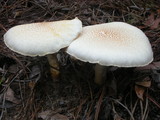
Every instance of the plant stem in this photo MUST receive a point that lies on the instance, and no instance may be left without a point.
(100, 74)
(54, 66)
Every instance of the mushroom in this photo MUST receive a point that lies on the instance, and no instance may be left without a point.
(111, 44)
(43, 38)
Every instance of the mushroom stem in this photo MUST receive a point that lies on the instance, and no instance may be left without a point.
(100, 74)
(54, 66)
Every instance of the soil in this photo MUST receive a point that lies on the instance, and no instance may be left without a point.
(28, 92)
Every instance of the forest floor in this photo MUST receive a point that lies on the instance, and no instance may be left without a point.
(27, 91)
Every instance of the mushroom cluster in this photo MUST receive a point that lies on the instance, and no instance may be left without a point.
(109, 44)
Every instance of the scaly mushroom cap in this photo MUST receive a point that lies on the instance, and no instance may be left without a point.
(112, 44)
(42, 38)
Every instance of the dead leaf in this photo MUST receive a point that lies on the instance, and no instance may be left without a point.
(59, 117)
(1, 26)
(34, 76)
(10, 96)
(32, 84)
(155, 23)
(17, 14)
(13, 68)
(45, 114)
(35, 71)
(51, 115)
(11, 20)
(145, 83)
(158, 11)
(117, 117)
(152, 22)
(139, 91)
(149, 20)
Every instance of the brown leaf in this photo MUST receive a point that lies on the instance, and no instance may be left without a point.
(155, 23)
(17, 14)
(34, 76)
(35, 72)
(51, 115)
(32, 84)
(10, 96)
(1, 26)
(11, 20)
(149, 20)
(59, 117)
(44, 115)
(145, 83)
(13, 68)
(139, 91)
(152, 22)
(117, 117)
(158, 11)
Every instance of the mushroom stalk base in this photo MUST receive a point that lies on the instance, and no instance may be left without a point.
(100, 74)
(54, 66)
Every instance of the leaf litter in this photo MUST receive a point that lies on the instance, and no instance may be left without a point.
(50, 115)
(29, 93)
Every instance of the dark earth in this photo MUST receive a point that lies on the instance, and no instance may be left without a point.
(27, 91)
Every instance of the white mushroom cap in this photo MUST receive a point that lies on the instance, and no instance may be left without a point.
(112, 44)
(42, 38)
